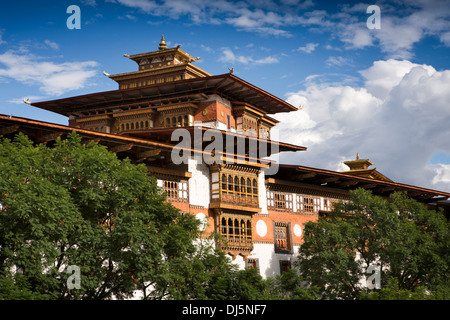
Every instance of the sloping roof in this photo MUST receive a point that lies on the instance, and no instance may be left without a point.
(134, 147)
(42, 132)
(227, 85)
(164, 134)
(368, 173)
(296, 175)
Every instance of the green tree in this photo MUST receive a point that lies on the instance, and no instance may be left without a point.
(393, 292)
(290, 285)
(77, 204)
(400, 236)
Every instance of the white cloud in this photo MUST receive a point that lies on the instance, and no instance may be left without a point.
(127, 16)
(51, 44)
(397, 36)
(53, 78)
(445, 38)
(398, 120)
(92, 3)
(336, 61)
(144, 5)
(382, 76)
(356, 36)
(309, 47)
(403, 24)
(267, 60)
(229, 56)
(442, 175)
(263, 17)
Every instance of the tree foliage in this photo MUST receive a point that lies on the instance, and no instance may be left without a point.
(400, 236)
(77, 204)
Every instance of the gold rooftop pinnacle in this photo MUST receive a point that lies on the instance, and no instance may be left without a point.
(162, 44)
(358, 164)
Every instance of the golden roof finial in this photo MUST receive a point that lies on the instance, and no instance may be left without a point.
(162, 44)
(357, 156)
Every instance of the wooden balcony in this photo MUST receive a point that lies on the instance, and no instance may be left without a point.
(236, 244)
(236, 202)
(236, 232)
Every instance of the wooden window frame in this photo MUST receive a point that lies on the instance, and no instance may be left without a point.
(280, 201)
(174, 188)
(232, 187)
(236, 230)
(307, 204)
(252, 263)
(282, 236)
(285, 265)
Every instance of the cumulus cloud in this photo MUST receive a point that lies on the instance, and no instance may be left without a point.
(382, 76)
(53, 78)
(442, 176)
(398, 120)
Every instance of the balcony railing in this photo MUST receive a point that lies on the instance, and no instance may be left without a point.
(238, 200)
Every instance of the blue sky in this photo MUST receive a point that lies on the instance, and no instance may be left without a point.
(381, 92)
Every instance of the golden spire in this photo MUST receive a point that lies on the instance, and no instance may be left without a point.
(162, 44)
(357, 156)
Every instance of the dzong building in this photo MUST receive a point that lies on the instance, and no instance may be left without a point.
(257, 205)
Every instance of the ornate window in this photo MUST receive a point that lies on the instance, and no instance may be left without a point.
(178, 121)
(135, 125)
(279, 200)
(285, 265)
(236, 230)
(307, 204)
(176, 190)
(239, 188)
(252, 263)
(282, 237)
(328, 204)
(249, 125)
(264, 133)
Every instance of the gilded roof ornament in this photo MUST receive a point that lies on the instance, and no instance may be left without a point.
(162, 44)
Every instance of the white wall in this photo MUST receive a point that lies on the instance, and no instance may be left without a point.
(199, 188)
(262, 193)
(268, 260)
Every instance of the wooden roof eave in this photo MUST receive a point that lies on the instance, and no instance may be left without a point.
(269, 104)
(338, 180)
(116, 143)
(282, 145)
(111, 139)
